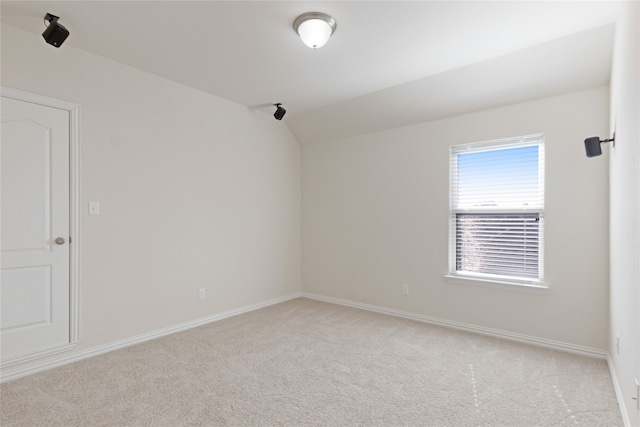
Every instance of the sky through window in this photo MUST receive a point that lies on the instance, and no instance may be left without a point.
(503, 178)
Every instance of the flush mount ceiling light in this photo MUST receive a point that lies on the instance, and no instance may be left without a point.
(314, 28)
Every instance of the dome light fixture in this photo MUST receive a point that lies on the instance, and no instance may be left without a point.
(314, 28)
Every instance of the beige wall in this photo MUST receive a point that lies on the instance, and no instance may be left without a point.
(195, 191)
(375, 216)
(625, 208)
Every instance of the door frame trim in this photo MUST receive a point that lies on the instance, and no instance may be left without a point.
(74, 203)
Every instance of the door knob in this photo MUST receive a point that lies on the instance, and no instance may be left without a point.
(60, 241)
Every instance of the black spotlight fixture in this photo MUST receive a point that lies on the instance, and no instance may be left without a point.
(280, 112)
(592, 145)
(56, 33)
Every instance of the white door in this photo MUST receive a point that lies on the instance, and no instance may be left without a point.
(34, 234)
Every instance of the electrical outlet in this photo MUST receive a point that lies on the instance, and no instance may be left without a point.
(405, 289)
(201, 293)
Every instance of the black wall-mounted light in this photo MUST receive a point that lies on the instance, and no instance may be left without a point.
(592, 145)
(56, 33)
(280, 112)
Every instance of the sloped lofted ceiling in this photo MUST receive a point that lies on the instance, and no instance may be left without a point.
(389, 63)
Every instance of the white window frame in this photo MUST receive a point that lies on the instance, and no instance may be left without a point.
(477, 278)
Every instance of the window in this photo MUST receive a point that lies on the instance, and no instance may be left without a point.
(497, 210)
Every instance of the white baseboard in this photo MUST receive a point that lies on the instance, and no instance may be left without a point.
(540, 342)
(19, 372)
(619, 395)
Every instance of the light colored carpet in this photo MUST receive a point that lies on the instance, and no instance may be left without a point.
(308, 363)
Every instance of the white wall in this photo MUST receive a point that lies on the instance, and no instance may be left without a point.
(195, 191)
(375, 216)
(625, 207)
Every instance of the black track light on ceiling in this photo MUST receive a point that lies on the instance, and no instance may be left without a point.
(55, 34)
(280, 112)
(592, 145)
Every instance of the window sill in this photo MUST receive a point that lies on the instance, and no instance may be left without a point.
(497, 284)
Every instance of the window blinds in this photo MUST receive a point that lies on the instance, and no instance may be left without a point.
(505, 245)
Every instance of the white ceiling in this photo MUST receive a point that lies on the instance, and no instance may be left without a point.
(389, 63)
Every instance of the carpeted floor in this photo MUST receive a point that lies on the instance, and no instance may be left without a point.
(308, 363)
